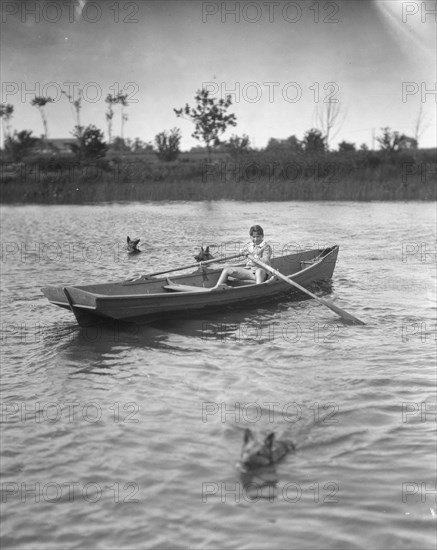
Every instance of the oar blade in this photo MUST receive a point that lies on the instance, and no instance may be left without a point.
(340, 312)
(343, 314)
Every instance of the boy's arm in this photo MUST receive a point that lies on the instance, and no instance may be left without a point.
(267, 254)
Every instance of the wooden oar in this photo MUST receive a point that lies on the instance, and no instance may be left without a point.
(214, 260)
(344, 314)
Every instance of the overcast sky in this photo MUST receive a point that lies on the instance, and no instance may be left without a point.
(278, 58)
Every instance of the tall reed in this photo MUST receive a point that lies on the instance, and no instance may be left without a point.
(361, 176)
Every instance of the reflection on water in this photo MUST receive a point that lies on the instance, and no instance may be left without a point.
(262, 484)
(163, 407)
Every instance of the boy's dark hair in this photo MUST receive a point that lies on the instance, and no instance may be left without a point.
(257, 229)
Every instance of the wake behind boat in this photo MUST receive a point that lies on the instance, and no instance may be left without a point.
(152, 298)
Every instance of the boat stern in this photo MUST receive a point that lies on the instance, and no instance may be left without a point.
(56, 295)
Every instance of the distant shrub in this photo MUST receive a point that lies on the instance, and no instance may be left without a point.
(373, 160)
(119, 144)
(345, 147)
(45, 161)
(237, 146)
(168, 144)
(90, 143)
(290, 145)
(20, 144)
(314, 142)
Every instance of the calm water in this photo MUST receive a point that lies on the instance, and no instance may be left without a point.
(129, 439)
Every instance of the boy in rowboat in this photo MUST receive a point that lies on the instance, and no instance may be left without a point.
(258, 248)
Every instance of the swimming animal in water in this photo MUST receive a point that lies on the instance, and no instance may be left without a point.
(258, 454)
(203, 255)
(132, 246)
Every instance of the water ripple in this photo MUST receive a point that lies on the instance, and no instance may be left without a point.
(158, 413)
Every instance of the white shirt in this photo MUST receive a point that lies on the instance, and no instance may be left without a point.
(261, 251)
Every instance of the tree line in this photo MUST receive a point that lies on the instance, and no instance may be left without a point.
(211, 119)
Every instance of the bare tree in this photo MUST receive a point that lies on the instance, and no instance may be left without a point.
(110, 100)
(329, 118)
(6, 111)
(389, 140)
(122, 100)
(77, 106)
(419, 127)
(40, 102)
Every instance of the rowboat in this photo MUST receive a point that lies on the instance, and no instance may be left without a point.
(154, 298)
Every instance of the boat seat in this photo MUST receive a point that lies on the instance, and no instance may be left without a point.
(185, 288)
(240, 282)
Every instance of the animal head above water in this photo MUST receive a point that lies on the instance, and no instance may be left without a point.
(203, 255)
(132, 245)
(257, 454)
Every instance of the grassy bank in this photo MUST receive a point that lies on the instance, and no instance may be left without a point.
(255, 176)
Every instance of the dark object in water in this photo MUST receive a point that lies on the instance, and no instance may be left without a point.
(204, 255)
(258, 454)
(132, 246)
